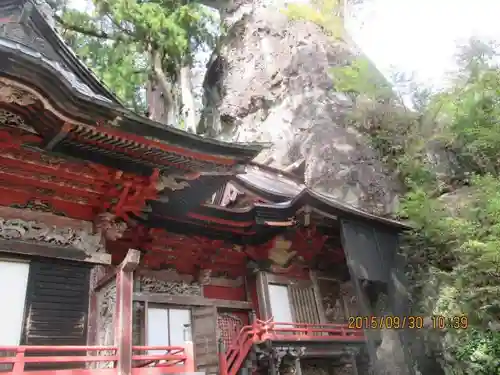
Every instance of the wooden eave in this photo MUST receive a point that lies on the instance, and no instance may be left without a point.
(288, 195)
(85, 103)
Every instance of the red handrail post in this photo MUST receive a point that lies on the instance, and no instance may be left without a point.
(123, 315)
(189, 353)
(18, 367)
(222, 359)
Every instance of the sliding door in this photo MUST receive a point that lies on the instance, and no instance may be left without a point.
(168, 327)
(14, 280)
(281, 308)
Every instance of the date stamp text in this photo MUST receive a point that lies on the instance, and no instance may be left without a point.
(408, 322)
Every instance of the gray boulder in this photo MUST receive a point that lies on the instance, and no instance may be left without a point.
(269, 81)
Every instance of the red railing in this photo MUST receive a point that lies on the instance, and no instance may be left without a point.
(231, 360)
(176, 356)
(174, 360)
(313, 332)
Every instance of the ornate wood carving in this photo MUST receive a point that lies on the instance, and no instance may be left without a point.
(14, 95)
(341, 366)
(348, 294)
(205, 277)
(287, 364)
(175, 182)
(39, 206)
(111, 226)
(106, 300)
(97, 274)
(17, 229)
(180, 288)
(138, 311)
(332, 301)
(280, 253)
(13, 120)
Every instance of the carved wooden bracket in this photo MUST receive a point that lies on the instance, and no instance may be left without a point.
(127, 194)
(110, 226)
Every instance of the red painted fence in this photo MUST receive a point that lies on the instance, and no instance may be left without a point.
(231, 360)
(174, 360)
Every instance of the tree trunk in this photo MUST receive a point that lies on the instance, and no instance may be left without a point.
(161, 101)
(188, 106)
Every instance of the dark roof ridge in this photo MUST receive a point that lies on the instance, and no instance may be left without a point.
(98, 95)
(307, 194)
(82, 71)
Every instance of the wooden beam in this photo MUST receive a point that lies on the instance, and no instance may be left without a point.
(51, 251)
(131, 261)
(123, 310)
(285, 280)
(56, 139)
(191, 301)
(317, 297)
(321, 275)
(262, 286)
(108, 275)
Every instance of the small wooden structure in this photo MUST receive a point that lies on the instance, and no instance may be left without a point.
(132, 248)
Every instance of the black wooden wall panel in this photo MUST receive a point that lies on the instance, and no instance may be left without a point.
(56, 309)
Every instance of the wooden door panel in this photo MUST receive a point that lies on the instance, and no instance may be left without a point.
(304, 304)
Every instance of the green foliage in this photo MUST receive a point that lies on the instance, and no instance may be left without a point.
(359, 78)
(327, 14)
(480, 350)
(116, 41)
(119, 65)
(454, 250)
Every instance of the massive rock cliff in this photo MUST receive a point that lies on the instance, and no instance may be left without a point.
(269, 81)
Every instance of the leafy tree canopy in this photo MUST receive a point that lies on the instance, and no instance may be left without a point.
(454, 252)
(120, 39)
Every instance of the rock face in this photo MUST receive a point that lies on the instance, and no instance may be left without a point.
(269, 82)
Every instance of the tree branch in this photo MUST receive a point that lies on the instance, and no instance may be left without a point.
(91, 32)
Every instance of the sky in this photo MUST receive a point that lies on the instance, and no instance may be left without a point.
(420, 36)
(417, 36)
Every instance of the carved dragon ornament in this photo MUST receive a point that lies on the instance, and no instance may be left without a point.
(175, 182)
(17, 229)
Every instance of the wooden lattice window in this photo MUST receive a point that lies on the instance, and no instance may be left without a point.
(228, 326)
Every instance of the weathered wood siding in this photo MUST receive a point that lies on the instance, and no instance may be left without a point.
(56, 305)
(205, 338)
(303, 303)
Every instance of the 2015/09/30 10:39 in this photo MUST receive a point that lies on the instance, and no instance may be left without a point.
(450, 322)
(408, 322)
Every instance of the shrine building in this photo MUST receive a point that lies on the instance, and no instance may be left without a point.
(128, 247)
